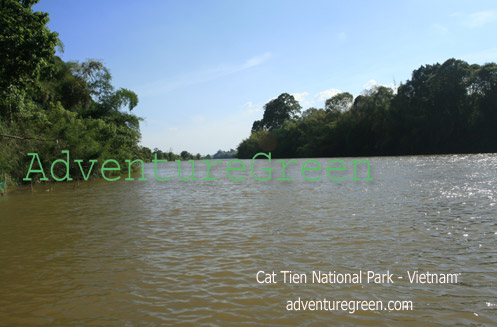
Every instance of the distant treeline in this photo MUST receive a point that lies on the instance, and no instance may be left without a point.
(48, 105)
(443, 108)
(171, 156)
(220, 154)
(185, 155)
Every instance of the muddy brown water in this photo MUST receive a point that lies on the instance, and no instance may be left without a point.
(174, 253)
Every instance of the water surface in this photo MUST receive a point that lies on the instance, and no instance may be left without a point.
(152, 253)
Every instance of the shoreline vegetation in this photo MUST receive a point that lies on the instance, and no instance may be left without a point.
(447, 108)
(110, 166)
(48, 105)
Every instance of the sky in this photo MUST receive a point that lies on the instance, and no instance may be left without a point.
(203, 70)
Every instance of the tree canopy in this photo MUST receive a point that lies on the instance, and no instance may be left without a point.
(27, 49)
(444, 108)
(277, 111)
(48, 105)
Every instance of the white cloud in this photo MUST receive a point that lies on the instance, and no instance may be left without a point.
(252, 108)
(317, 100)
(301, 98)
(480, 18)
(372, 84)
(192, 78)
(255, 61)
(326, 94)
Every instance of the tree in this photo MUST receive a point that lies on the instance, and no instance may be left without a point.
(52, 104)
(97, 80)
(220, 154)
(444, 108)
(278, 110)
(27, 48)
(185, 155)
(146, 154)
(339, 103)
(434, 107)
(257, 126)
(96, 76)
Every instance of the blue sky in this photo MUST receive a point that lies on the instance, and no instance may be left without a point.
(203, 70)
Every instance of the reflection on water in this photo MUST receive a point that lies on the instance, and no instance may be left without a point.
(154, 253)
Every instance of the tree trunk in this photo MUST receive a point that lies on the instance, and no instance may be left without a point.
(28, 138)
(11, 117)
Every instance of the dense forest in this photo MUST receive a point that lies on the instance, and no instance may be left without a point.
(48, 105)
(443, 108)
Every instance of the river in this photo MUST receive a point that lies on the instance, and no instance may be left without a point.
(175, 253)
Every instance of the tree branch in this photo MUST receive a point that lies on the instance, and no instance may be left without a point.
(26, 138)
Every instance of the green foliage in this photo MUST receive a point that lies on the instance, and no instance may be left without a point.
(171, 156)
(185, 155)
(27, 49)
(339, 103)
(27, 44)
(124, 97)
(443, 108)
(49, 105)
(277, 111)
(220, 154)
